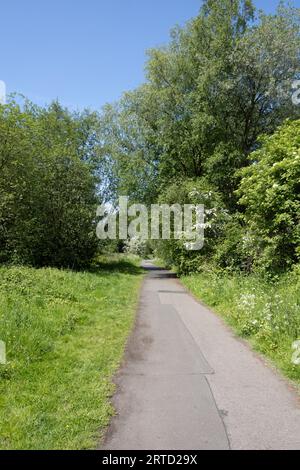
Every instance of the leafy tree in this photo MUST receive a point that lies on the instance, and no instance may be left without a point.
(129, 154)
(222, 81)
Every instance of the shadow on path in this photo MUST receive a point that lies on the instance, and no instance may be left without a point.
(158, 272)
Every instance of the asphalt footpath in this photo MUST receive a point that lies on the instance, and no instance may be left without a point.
(187, 382)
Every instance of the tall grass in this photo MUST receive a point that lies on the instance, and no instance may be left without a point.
(263, 311)
(65, 333)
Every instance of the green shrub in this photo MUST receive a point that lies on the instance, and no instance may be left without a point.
(48, 189)
(270, 194)
(195, 192)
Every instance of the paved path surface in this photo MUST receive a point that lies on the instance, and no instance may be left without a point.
(188, 383)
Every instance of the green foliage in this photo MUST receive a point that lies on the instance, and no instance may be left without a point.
(195, 192)
(234, 251)
(270, 193)
(221, 82)
(138, 247)
(47, 186)
(128, 150)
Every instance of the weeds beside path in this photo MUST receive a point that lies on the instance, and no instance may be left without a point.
(266, 313)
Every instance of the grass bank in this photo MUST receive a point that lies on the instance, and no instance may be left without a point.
(266, 313)
(65, 334)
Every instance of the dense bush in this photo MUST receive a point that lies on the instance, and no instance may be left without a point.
(47, 186)
(136, 246)
(195, 192)
(270, 193)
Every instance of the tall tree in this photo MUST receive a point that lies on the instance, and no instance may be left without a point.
(222, 81)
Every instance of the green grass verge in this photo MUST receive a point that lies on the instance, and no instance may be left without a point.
(65, 334)
(266, 313)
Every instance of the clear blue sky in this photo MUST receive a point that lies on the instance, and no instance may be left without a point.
(85, 52)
